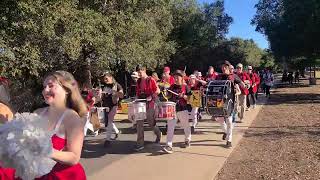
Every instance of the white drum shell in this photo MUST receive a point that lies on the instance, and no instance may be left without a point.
(139, 111)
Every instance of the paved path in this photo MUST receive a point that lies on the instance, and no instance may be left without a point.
(202, 161)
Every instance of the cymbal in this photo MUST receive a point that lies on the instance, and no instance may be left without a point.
(5, 113)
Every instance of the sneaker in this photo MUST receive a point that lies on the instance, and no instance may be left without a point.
(96, 133)
(228, 145)
(107, 143)
(247, 109)
(224, 136)
(168, 149)
(254, 106)
(138, 148)
(192, 129)
(186, 144)
(115, 136)
(158, 139)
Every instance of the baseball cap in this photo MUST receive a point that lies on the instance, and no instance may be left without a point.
(249, 67)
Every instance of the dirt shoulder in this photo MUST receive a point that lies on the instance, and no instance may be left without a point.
(283, 142)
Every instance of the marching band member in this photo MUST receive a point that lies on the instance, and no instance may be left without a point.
(211, 75)
(133, 84)
(227, 122)
(180, 95)
(167, 78)
(88, 96)
(195, 85)
(132, 91)
(147, 88)
(254, 88)
(236, 99)
(244, 91)
(110, 98)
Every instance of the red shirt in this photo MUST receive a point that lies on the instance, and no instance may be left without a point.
(255, 79)
(244, 76)
(146, 87)
(211, 77)
(169, 81)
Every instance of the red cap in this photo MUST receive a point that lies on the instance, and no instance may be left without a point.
(166, 69)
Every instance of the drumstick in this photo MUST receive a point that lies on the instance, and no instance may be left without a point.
(173, 92)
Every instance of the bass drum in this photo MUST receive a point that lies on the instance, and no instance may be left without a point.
(6, 113)
(219, 98)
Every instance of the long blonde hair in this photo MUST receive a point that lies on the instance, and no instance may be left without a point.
(74, 99)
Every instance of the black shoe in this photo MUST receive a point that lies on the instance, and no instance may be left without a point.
(228, 145)
(107, 144)
(224, 136)
(138, 148)
(192, 130)
(158, 139)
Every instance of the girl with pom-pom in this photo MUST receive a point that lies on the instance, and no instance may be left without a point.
(65, 114)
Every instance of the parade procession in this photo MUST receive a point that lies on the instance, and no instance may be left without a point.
(177, 100)
(224, 96)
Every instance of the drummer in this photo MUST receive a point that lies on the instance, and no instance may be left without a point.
(148, 89)
(195, 84)
(227, 122)
(132, 91)
(180, 94)
(112, 92)
(133, 84)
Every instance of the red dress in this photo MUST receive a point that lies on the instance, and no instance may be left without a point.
(59, 171)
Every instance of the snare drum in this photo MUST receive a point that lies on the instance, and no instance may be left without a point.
(101, 113)
(139, 111)
(165, 111)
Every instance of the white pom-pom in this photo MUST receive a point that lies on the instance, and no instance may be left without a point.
(27, 147)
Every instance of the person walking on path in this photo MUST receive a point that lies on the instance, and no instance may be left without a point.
(253, 88)
(182, 111)
(227, 122)
(112, 92)
(147, 88)
(268, 81)
(244, 90)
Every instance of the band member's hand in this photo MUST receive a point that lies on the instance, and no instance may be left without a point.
(149, 98)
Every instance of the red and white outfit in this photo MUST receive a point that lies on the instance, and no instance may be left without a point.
(244, 92)
(60, 171)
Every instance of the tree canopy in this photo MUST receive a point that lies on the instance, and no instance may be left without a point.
(292, 28)
(87, 37)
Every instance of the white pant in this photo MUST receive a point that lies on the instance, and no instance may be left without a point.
(183, 117)
(111, 126)
(194, 116)
(227, 127)
(88, 124)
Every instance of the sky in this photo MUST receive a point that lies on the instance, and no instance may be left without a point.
(242, 11)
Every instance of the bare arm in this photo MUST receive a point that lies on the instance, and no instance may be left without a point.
(74, 135)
